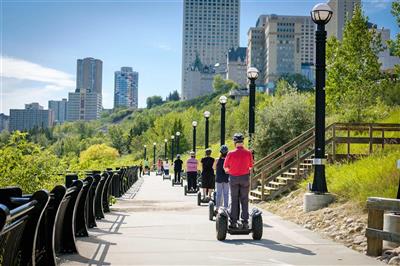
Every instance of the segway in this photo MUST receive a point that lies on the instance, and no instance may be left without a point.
(201, 200)
(177, 183)
(159, 172)
(186, 189)
(212, 211)
(255, 228)
(165, 176)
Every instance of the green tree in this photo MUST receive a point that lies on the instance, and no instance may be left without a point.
(221, 85)
(173, 96)
(117, 138)
(353, 68)
(297, 81)
(395, 44)
(154, 101)
(97, 157)
(283, 87)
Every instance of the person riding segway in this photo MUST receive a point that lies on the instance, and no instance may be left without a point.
(238, 164)
(207, 179)
(166, 174)
(146, 167)
(191, 173)
(222, 182)
(177, 171)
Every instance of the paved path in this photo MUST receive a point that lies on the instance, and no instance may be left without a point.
(161, 226)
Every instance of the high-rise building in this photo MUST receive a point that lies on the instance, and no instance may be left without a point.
(83, 106)
(210, 29)
(32, 116)
(4, 122)
(126, 88)
(342, 11)
(86, 102)
(237, 66)
(60, 110)
(89, 73)
(387, 60)
(280, 45)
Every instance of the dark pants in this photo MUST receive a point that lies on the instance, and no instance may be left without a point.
(177, 174)
(191, 179)
(239, 194)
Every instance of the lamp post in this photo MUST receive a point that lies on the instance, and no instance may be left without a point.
(194, 124)
(144, 152)
(222, 101)
(320, 14)
(154, 155)
(207, 116)
(178, 134)
(165, 149)
(252, 75)
(172, 147)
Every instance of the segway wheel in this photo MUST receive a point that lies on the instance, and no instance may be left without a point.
(185, 190)
(257, 227)
(211, 206)
(221, 226)
(214, 198)
(181, 183)
(198, 198)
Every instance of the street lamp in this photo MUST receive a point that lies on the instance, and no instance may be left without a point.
(144, 152)
(222, 101)
(207, 116)
(165, 149)
(177, 142)
(252, 75)
(194, 124)
(154, 155)
(320, 14)
(172, 147)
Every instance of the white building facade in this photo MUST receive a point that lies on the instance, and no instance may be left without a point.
(210, 29)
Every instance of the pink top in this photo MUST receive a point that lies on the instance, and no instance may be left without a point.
(191, 165)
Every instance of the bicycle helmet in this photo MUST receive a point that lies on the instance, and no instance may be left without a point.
(224, 149)
(178, 156)
(192, 153)
(208, 151)
(238, 138)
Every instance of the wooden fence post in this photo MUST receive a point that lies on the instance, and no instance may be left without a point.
(333, 143)
(375, 221)
(371, 135)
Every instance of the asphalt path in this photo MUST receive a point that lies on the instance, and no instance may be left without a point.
(155, 224)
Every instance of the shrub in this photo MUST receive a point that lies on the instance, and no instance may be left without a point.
(97, 157)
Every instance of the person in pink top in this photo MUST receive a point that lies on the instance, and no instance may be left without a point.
(191, 171)
(238, 164)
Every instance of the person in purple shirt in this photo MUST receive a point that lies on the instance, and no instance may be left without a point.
(191, 171)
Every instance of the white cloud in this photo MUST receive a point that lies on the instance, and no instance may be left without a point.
(25, 70)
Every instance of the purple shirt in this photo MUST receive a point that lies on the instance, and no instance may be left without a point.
(191, 165)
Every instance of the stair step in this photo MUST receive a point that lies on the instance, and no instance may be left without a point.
(257, 193)
(285, 179)
(253, 199)
(307, 165)
(295, 170)
(289, 174)
(277, 183)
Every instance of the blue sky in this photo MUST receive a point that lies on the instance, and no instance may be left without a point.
(41, 41)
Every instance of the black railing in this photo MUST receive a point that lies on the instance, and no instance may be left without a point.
(35, 228)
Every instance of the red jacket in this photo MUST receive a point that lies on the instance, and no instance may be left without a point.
(239, 161)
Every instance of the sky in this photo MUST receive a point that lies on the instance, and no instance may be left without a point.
(40, 41)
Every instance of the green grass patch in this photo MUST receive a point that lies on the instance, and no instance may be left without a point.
(374, 176)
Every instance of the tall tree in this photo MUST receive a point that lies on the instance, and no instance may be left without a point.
(154, 101)
(352, 67)
(395, 44)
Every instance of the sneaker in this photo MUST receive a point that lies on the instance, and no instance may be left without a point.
(233, 226)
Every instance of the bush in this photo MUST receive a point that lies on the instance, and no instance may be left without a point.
(97, 157)
(286, 118)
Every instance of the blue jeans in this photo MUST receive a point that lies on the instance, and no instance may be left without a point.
(222, 190)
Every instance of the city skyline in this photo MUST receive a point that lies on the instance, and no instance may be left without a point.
(45, 69)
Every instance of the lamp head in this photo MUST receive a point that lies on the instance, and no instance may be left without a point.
(154, 143)
(165, 140)
(223, 99)
(252, 73)
(194, 123)
(145, 146)
(207, 114)
(178, 133)
(321, 13)
(172, 137)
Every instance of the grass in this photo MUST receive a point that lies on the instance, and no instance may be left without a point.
(373, 176)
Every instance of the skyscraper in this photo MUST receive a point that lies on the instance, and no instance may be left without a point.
(210, 29)
(126, 88)
(281, 45)
(60, 110)
(86, 102)
(89, 75)
(342, 11)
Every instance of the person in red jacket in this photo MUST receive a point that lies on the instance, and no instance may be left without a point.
(238, 164)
